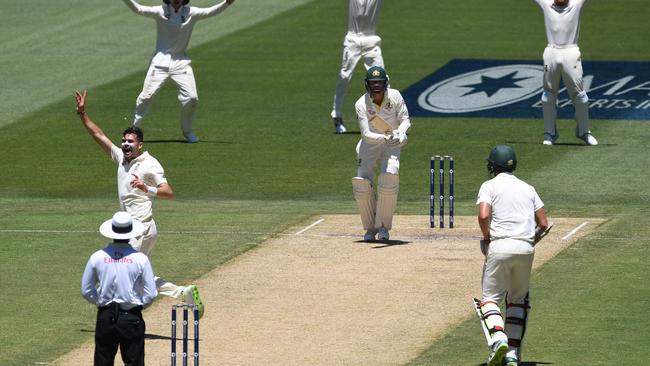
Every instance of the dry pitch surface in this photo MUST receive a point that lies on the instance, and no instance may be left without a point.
(317, 295)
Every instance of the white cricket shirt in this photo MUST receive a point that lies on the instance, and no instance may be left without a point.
(514, 203)
(120, 274)
(174, 29)
(392, 110)
(562, 23)
(363, 17)
(146, 167)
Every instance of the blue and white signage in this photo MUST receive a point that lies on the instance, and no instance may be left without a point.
(512, 89)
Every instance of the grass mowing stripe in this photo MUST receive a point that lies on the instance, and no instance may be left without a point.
(585, 307)
(269, 157)
(93, 42)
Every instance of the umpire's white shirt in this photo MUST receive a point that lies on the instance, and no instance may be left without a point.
(562, 23)
(134, 200)
(174, 29)
(392, 110)
(514, 203)
(118, 273)
(363, 17)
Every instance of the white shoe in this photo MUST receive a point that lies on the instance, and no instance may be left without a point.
(339, 128)
(191, 138)
(550, 139)
(588, 139)
(499, 350)
(382, 234)
(369, 235)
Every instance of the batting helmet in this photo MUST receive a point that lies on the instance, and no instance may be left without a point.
(185, 2)
(502, 158)
(376, 73)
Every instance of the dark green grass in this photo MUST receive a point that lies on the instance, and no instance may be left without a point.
(588, 306)
(269, 159)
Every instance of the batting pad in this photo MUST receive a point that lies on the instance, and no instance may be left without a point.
(386, 200)
(380, 125)
(365, 198)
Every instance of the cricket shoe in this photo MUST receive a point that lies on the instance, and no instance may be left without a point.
(383, 234)
(550, 139)
(191, 138)
(499, 349)
(510, 361)
(191, 294)
(369, 235)
(588, 139)
(339, 128)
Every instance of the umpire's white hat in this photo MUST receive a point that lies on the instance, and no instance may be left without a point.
(121, 226)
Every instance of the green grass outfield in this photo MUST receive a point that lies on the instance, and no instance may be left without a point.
(269, 159)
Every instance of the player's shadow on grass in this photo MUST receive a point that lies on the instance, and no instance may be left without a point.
(577, 143)
(527, 363)
(349, 133)
(146, 336)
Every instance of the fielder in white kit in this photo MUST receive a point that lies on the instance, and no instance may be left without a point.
(175, 21)
(511, 218)
(361, 41)
(383, 122)
(562, 60)
(140, 179)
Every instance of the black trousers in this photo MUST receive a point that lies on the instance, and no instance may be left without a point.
(124, 328)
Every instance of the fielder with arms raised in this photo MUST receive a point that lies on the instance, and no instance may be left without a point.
(383, 122)
(140, 179)
(361, 41)
(174, 23)
(562, 59)
(509, 211)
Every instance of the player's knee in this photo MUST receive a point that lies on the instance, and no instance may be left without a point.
(189, 103)
(548, 97)
(392, 166)
(581, 97)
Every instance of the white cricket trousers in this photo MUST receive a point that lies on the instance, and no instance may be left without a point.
(145, 244)
(369, 154)
(354, 48)
(507, 269)
(564, 62)
(181, 73)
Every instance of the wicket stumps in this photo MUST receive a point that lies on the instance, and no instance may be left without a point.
(432, 190)
(185, 339)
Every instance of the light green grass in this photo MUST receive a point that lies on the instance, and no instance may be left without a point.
(48, 49)
(269, 159)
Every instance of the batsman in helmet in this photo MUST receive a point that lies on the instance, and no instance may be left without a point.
(511, 215)
(383, 121)
(175, 20)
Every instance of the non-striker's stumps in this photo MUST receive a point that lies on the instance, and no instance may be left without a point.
(432, 190)
(185, 339)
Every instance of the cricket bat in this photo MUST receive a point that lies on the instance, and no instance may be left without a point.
(539, 235)
(380, 125)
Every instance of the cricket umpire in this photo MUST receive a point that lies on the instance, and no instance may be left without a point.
(562, 60)
(175, 20)
(511, 217)
(119, 281)
(383, 121)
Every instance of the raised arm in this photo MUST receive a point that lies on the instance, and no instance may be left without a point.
(211, 11)
(150, 11)
(93, 130)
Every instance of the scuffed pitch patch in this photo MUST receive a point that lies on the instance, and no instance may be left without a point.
(323, 297)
